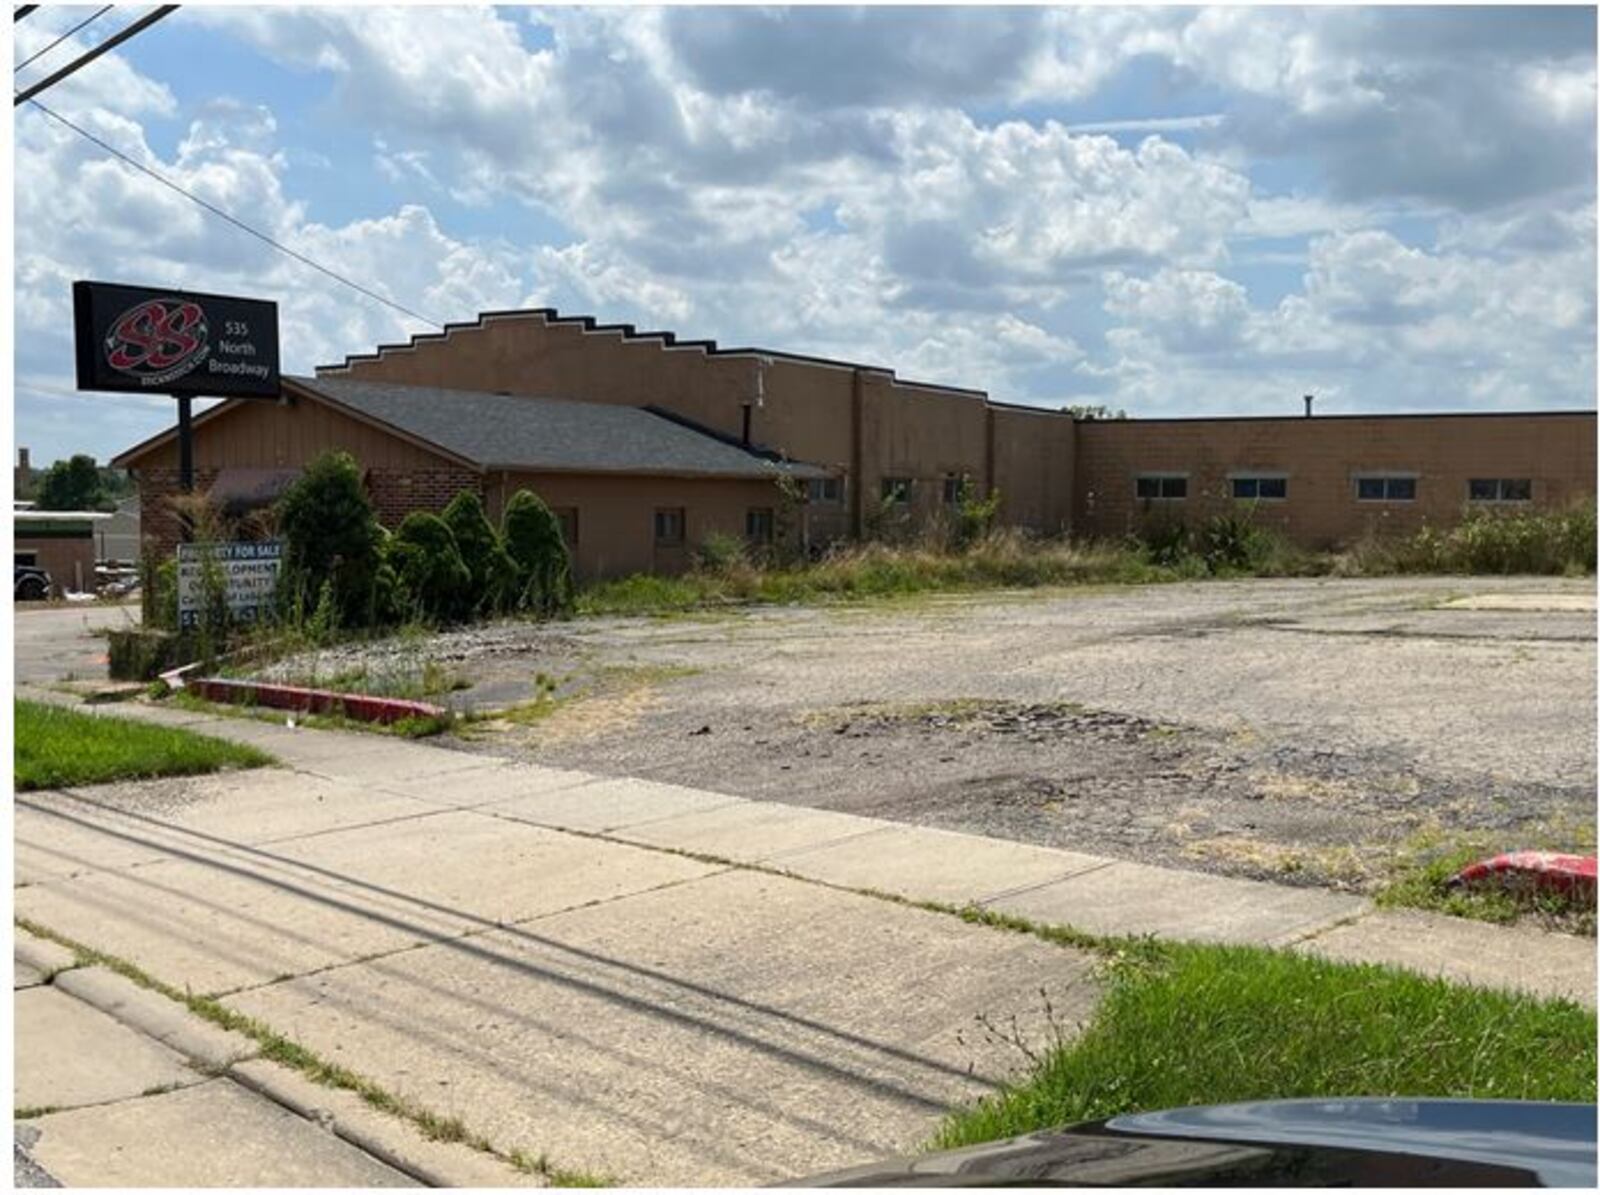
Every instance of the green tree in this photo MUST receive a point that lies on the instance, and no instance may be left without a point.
(72, 485)
(494, 573)
(1092, 411)
(331, 538)
(532, 536)
(434, 582)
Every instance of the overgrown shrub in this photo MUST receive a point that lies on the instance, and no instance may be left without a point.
(1487, 542)
(720, 552)
(331, 536)
(493, 572)
(144, 653)
(532, 536)
(433, 581)
(975, 516)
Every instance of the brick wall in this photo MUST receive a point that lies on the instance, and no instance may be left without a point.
(1321, 458)
(160, 529)
(396, 493)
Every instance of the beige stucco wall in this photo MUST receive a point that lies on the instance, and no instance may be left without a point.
(1322, 456)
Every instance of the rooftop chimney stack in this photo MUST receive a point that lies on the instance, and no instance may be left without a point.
(1308, 405)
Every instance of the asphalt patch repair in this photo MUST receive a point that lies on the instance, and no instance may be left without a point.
(1098, 781)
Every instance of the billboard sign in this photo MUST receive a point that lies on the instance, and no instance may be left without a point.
(249, 574)
(136, 339)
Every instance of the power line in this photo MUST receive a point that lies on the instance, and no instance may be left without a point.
(237, 223)
(61, 39)
(21, 11)
(110, 43)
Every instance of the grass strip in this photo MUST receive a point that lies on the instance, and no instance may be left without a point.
(289, 1053)
(57, 747)
(1186, 1024)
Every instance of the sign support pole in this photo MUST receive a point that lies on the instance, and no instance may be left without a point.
(185, 459)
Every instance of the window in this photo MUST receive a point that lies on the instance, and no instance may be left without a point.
(26, 559)
(1385, 488)
(954, 483)
(1169, 486)
(1267, 488)
(1500, 489)
(758, 524)
(669, 526)
(567, 516)
(824, 489)
(896, 489)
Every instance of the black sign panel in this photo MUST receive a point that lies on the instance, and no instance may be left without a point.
(133, 338)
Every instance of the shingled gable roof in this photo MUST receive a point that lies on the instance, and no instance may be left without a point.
(503, 431)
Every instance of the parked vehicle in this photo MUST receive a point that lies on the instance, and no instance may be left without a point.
(32, 583)
(1285, 1143)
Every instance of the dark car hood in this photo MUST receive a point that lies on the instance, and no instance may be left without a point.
(1366, 1142)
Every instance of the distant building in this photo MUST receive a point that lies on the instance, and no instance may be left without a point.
(645, 444)
(22, 475)
(62, 542)
(117, 538)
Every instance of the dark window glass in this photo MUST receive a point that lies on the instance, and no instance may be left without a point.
(27, 559)
(823, 489)
(1369, 489)
(669, 525)
(897, 489)
(1273, 487)
(1174, 487)
(1148, 487)
(952, 489)
(1245, 487)
(758, 524)
(1483, 489)
(1402, 489)
(1516, 489)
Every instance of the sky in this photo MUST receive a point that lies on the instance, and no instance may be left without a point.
(1173, 211)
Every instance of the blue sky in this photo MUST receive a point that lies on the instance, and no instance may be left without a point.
(1173, 211)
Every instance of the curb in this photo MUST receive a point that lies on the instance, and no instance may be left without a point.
(313, 701)
(391, 1140)
(46, 957)
(158, 1016)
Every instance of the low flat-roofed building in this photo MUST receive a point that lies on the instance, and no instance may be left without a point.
(62, 542)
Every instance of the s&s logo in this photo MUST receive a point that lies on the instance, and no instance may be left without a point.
(158, 340)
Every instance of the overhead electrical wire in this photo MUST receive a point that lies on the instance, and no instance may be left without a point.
(111, 43)
(21, 11)
(235, 221)
(62, 38)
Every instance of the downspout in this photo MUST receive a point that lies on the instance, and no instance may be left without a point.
(988, 452)
(857, 403)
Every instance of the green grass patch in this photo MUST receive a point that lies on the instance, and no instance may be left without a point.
(1428, 860)
(876, 571)
(57, 747)
(1184, 1025)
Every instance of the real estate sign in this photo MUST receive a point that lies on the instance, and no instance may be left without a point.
(248, 573)
(148, 341)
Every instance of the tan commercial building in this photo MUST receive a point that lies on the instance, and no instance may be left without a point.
(698, 435)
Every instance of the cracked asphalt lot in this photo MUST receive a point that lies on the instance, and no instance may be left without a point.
(1298, 730)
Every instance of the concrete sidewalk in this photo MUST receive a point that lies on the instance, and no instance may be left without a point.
(117, 1086)
(588, 966)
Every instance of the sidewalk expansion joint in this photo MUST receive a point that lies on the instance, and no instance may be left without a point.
(1062, 878)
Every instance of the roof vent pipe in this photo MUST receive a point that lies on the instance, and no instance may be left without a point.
(1308, 405)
